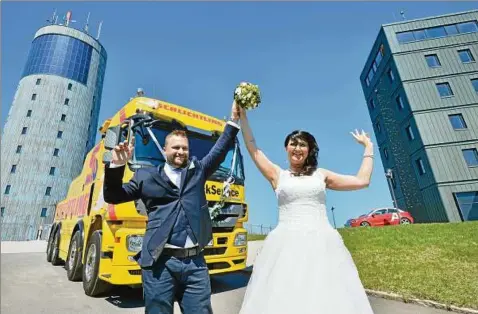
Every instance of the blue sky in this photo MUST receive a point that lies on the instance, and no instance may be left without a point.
(306, 57)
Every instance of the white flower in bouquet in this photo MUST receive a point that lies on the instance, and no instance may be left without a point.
(247, 95)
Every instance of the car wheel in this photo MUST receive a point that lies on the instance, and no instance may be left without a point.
(405, 221)
(364, 224)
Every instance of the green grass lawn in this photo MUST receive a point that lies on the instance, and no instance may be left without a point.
(437, 262)
(255, 237)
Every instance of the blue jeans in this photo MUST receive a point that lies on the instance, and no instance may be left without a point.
(183, 279)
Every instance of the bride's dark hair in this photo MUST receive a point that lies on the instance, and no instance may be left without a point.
(310, 164)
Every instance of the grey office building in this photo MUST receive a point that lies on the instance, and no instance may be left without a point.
(421, 87)
(50, 127)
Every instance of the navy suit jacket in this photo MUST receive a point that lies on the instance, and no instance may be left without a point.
(163, 200)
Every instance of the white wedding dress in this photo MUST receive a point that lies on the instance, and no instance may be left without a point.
(304, 266)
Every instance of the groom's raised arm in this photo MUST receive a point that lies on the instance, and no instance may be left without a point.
(218, 152)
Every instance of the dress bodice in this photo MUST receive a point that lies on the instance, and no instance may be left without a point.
(301, 199)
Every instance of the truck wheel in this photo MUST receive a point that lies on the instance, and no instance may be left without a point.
(92, 284)
(49, 248)
(55, 258)
(73, 261)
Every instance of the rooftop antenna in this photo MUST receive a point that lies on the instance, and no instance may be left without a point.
(87, 21)
(402, 13)
(99, 30)
(53, 18)
(68, 18)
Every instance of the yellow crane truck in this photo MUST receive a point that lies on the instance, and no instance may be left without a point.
(97, 241)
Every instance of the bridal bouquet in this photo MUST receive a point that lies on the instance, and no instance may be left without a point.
(247, 95)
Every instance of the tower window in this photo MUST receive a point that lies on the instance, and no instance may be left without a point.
(60, 134)
(457, 121)
(400, 103)
(390, 75)
(29, 113)
(55, 152)
(63, 117)
(466, 56)
(70, 86)
(444, 89)
(14, 169)
(420, 166)
(24, 130)
(34, 96)
(474, 82)
(410, 134)
(19, 149)
(48, 191)
(471, 157)
(38, 81)
(7, 189)
(433, 61)
(372, 104)
(52, 171)
(67, 101)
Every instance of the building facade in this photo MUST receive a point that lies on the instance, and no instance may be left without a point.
(50, 127)
(421, 86)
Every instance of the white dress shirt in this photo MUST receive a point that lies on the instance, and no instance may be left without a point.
(174, 174)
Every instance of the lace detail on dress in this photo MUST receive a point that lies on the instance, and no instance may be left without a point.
(302, 199)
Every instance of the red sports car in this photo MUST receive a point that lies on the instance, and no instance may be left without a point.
(382, 217)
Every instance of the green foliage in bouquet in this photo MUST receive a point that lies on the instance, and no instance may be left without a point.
(247, 95)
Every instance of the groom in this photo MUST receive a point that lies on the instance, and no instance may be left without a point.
(179, 224)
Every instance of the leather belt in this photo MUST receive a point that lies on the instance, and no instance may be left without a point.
(182, 252)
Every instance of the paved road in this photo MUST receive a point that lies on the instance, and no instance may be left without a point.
(31, 285)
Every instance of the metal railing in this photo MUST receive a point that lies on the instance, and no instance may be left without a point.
(26, 232)
(258, 229)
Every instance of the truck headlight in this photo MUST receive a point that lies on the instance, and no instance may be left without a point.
(134, 243)
(240, 239)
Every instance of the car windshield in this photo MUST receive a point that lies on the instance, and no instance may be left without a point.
(369, 213)
(147, 154)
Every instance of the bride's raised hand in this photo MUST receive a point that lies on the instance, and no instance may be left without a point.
(362, 137)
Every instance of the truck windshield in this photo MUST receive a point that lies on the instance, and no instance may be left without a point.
(147, 154)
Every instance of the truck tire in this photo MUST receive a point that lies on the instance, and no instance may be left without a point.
(73, 263)
(55, 258)
(49, 247)
(92, 284)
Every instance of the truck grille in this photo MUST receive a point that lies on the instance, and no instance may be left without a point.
(215, 251)
(220, 265)
(221, 240)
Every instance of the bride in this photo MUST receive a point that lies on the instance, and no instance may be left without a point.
(304, 266)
